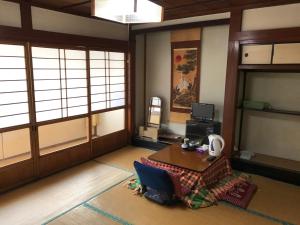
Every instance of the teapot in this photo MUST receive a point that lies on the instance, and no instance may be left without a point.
(216, 145)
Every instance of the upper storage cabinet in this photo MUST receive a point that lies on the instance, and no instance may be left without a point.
(256, 54)
(286, 53)
(267, 54)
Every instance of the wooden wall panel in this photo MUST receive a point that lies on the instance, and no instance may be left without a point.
(80, 155)
(231, 87)
(60, 160)
(192, 34)
(109, 143)
(15, 175)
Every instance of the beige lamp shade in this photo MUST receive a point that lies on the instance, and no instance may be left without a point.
(127, 11)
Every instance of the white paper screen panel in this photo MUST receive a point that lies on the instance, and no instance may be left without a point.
(282, 16)
(256, 54)
(286, 53)
(60, 82)
(10, 14)
(14, 108)
(107, 71)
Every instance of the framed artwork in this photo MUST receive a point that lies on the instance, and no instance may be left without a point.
(185, 75)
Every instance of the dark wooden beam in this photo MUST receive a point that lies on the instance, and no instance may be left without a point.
(131, 86)
(145, 80)
(75, 4)
(268, 36)
(183, 26)
(46, 37)
(231, 86)
(200, 9)
(26, 19)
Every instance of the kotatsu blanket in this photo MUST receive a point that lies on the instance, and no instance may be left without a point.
(199, 189)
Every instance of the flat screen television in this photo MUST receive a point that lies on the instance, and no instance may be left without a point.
(203, 111)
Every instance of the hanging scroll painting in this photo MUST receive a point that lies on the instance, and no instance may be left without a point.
(185, 77)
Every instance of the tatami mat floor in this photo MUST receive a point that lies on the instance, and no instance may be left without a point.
(43, 200)
(274, 203)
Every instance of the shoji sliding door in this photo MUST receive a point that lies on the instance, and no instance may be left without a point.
(15, 139)
(107, 81)
(58, 107)
(61, 105)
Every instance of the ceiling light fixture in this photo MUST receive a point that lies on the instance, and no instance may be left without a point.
(127, 11)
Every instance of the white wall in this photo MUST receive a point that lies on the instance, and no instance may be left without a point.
(213, 70)
(273, 134)
(281, 16)
(47, 20)
(10, 14)
(158, 72)
(213, 67)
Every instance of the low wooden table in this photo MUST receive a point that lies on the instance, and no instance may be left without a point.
(175, 155)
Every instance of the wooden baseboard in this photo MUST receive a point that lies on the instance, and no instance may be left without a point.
(153, 145)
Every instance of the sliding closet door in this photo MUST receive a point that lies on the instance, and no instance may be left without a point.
(108, 101)
(61, 105)
(16, 161)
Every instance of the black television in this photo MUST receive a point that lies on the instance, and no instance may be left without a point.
(203, 111)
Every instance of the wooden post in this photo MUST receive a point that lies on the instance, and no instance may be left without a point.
(231, 86)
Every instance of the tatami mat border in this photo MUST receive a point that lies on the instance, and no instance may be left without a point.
(124, 222)
(94, 196)
(115, 166)
(259, 214)
(106, 214)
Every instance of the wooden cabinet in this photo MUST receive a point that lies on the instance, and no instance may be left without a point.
(286, 53)
(267, 54)
(257, 54)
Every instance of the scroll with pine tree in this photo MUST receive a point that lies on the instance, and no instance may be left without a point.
(185, 75)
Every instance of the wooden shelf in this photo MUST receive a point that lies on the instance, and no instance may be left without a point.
(271, 67)
(278, 111)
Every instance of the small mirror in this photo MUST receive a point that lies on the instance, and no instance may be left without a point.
(154, 115)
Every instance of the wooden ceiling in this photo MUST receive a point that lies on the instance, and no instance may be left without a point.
(173, 9)
(78, 7)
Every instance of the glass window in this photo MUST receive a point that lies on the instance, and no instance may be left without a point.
(108, 122)
(14, 146)
(59, 136)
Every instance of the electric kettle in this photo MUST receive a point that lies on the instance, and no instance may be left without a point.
(216, 145)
